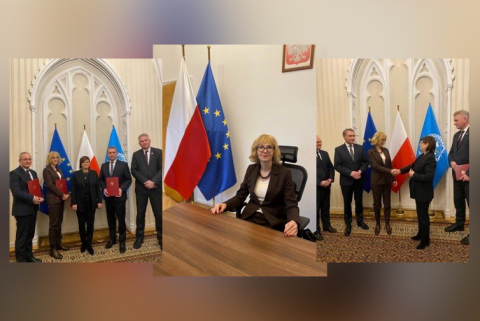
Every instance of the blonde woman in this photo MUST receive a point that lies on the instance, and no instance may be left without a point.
(55, 201)
(273, 202)
(381, 179)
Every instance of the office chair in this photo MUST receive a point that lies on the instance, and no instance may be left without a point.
(299, 177)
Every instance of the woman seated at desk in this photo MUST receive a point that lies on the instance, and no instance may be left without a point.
(273, 202)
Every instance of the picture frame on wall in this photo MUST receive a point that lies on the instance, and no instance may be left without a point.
(297, 57)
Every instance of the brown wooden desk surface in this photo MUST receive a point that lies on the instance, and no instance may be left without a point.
(197, 243)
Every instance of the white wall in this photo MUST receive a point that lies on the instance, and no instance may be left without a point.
(257, 98)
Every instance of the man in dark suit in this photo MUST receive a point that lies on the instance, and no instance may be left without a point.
(24, 208)
(116, 204)
(325, 178)
(147, 170)
(458, 155)
(351, 162)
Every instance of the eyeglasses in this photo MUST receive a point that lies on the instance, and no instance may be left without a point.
(269, 149)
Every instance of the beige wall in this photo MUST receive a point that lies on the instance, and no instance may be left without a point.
(334, 112)
(141, 80)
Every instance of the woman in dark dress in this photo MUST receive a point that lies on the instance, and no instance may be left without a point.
(55, 201)
(421, 173)
(273, 201)
(86, 198)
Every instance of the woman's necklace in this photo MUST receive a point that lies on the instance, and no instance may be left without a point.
(260, 174)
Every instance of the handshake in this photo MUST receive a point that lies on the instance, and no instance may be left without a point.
(395, 172)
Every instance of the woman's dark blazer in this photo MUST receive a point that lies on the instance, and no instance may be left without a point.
(49, 177)
(421, 183)
(380, 171)
(78, 187)
(280, 205)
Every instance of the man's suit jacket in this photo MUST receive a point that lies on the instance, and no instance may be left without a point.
(325, 168)
(54, 195)
(344, 164)
(144, 172)
(121, 171)
(78, 189)
(460, 154)
(381, 174)
(421, 183)
(280, 205)
(22, 199)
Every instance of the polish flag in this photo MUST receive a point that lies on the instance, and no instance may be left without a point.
(401, 151)
(86, 150)
(187, 150)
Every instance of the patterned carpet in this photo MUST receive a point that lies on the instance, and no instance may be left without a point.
(365, 246)
(149, 252)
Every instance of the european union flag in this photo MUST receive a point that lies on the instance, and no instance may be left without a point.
(115, 142)
(370, 130)
(65, 166)
(430, 128)
(220, 173)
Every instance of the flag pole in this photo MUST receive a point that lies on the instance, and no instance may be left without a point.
(183, 52)
(431, 212)
(55, 125)
(399, 211)
(371, 211)
(208, 47)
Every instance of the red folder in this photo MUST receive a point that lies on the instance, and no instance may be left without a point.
(461, 170)
(112, 186)
(61, 184)
(34, 187)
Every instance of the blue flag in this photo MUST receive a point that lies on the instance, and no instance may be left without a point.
(370, 130)
(115, 142)
(430, 128)
(220, 173)
(64, 166)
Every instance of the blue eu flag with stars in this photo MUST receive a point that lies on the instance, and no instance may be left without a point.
(220, 173)
(370, 130)
(430, 128)
(65, 166)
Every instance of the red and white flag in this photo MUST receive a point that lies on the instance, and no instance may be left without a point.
(401, 151)
(86, 150)
(187, 150)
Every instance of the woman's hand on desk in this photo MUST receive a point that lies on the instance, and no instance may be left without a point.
(291, 229)
(219, 208)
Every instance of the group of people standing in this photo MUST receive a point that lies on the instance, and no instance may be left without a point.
(351, 162)
(86, 196)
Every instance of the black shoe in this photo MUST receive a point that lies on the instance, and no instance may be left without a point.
(54, 253)
(33, 259)
(83, 247)
(348, 230)
(160, 245)
(138, 243)
(330, 229)
(362, 225)
(466, 240)
(110, 244)
(318, 236)
(416, 237)
(90, 249)
(122, 247)
(423, 244)
(62, 247)
(455, 227)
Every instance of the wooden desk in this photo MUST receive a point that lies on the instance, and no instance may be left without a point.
(197, 243)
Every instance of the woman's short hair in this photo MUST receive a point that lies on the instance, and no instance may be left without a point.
(431, 143)
(378, 137)
(265, 139)
(83, 159)
(52, 155)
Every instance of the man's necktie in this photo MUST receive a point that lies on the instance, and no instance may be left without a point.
(351, 151)
(146, 156)
(460, 138)
(111, 168)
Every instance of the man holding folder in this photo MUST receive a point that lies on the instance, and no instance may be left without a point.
(115, 179)
(26, 193)
(459, 161)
